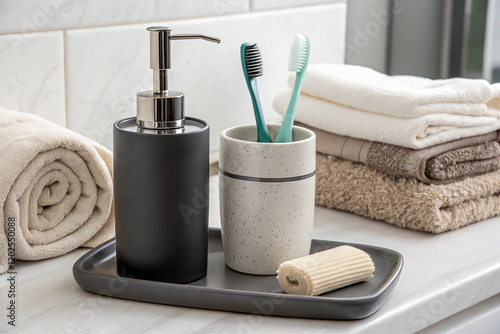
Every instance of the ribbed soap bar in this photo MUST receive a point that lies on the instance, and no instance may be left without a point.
(324, 271)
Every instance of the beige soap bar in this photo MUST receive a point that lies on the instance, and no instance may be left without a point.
(325, 271)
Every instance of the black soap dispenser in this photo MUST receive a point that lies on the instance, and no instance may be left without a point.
(161, 170)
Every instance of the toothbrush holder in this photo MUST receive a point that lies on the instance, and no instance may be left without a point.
(266, 198)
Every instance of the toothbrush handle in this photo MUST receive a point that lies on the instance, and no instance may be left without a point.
(285, 131)
(262, 133)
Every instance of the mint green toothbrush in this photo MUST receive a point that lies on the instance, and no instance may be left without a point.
(251, 61)
(299, 58)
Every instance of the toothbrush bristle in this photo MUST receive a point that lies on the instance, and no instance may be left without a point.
(253, 60)
(299, 53)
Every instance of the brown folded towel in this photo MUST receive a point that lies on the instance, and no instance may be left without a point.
(443, 163)
(405, 202)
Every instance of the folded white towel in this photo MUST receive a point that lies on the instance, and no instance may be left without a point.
(56, 190)
(402, 96)
(416, 133)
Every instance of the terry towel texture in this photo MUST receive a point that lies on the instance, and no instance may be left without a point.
(443, 163)
(416, 133)
(55, 184)
(405, 202)
(365, 89)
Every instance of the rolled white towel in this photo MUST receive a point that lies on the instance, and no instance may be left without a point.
(401, 96)
(416, 133)
(56, 190)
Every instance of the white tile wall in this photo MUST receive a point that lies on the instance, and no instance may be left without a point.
(88, 77)
(35, 15)
(108, 66)
(32, 74)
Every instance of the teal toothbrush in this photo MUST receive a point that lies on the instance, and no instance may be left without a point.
(251, 61)
(299, 58)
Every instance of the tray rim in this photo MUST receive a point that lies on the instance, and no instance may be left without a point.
(387, 285)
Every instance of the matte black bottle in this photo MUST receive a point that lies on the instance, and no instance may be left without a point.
(161, 170)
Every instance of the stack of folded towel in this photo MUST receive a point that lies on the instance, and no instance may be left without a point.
(417, 153)
(56, 190)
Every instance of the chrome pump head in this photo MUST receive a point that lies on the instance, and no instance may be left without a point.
(162, 109)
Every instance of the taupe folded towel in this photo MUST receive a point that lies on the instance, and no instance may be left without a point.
(443, 163)
(56, 190)
(405, 202)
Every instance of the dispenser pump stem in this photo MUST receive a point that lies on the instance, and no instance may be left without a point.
(160, 38)
(160, 109)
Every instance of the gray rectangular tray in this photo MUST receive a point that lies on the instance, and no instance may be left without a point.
(227, 290)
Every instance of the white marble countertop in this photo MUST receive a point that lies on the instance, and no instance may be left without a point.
(442, 275)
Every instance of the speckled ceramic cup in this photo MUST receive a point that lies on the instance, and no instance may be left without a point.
(266, 198)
